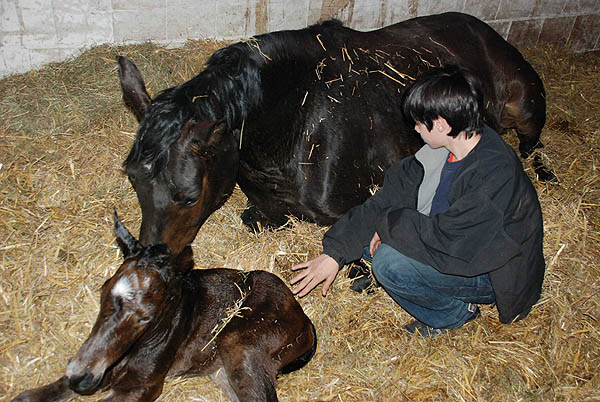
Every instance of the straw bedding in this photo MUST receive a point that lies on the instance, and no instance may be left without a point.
(64, 133)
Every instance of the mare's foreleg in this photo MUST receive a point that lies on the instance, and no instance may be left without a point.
(54, 392)
(256, 221)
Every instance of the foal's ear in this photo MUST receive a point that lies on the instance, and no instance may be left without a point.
(184, 260)
(134, 90)
(127, 243)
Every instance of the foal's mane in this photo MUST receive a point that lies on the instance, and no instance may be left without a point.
(228, 89)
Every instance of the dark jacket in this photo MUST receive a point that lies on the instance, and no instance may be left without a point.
(494, 224)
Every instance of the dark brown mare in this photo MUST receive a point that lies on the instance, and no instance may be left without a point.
(160, 318)
(307, 121)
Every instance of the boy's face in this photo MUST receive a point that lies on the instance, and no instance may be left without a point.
(438, 136)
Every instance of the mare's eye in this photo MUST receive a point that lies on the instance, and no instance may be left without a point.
(182, 200)
(144, 320)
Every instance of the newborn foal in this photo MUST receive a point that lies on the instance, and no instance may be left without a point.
(160, 318)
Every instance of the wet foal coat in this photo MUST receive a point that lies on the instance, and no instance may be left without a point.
(160, 318)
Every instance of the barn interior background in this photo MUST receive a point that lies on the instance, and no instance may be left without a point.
(64, 133)
(34, 32)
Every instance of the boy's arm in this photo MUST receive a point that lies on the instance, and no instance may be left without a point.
(345, 240)
(469, 239)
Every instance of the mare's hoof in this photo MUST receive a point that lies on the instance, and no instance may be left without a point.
(255, 221)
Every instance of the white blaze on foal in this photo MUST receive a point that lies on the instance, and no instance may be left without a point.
(123, 289)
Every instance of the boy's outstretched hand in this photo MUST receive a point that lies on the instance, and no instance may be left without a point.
(322, 268)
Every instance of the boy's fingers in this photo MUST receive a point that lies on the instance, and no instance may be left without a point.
(298, 277)
(309, 287)
(301, 265)
(326, 286)
(304, 281)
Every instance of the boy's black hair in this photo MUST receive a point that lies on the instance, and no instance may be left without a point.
(450, 92)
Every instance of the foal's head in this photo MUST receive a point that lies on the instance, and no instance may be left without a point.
(131, 303)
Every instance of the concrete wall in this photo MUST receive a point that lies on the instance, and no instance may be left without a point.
(34, 32)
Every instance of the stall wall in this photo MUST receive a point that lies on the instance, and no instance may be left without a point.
(34, 32)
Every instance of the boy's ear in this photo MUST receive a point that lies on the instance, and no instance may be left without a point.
(441, 125)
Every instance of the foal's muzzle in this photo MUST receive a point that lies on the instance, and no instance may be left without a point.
(84, 383)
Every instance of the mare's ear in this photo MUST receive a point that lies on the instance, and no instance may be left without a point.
(134, 90)
(127, 243)
(184, 260)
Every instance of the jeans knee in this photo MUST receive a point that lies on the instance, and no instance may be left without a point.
(383, 260)
(392, 268)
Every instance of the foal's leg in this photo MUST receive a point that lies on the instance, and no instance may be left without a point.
(54, 392)
(250, 372)
(249, 381)
(134, 393)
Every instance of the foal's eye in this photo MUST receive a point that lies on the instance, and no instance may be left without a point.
(144, 320)
(117, 304)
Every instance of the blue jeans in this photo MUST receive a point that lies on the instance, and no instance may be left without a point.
(436, 299)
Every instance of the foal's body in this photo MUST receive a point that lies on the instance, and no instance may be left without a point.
(159, 318)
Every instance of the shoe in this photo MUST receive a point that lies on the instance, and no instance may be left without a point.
(474, 308)
(425, 331)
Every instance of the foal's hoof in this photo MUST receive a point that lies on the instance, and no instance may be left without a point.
(363, 283)
(544, 174)
(360, 271)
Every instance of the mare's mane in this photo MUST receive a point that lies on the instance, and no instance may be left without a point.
(228, 89)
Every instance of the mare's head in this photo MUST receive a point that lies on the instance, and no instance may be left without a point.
(132, 302)
(184, 161)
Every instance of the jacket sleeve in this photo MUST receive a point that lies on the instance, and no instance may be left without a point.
(345, 240)
(469, 239)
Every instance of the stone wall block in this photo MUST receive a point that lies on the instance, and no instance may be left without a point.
(548, 8)
(502, 27)
(187, 19)
(426, 7)
(556, 31)
(9, 17)
(139, 4)
(485, 10)
(513, 9)
(580, 6)
(138, 26)
(33, 32)
(525, 33)
(585, 33)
